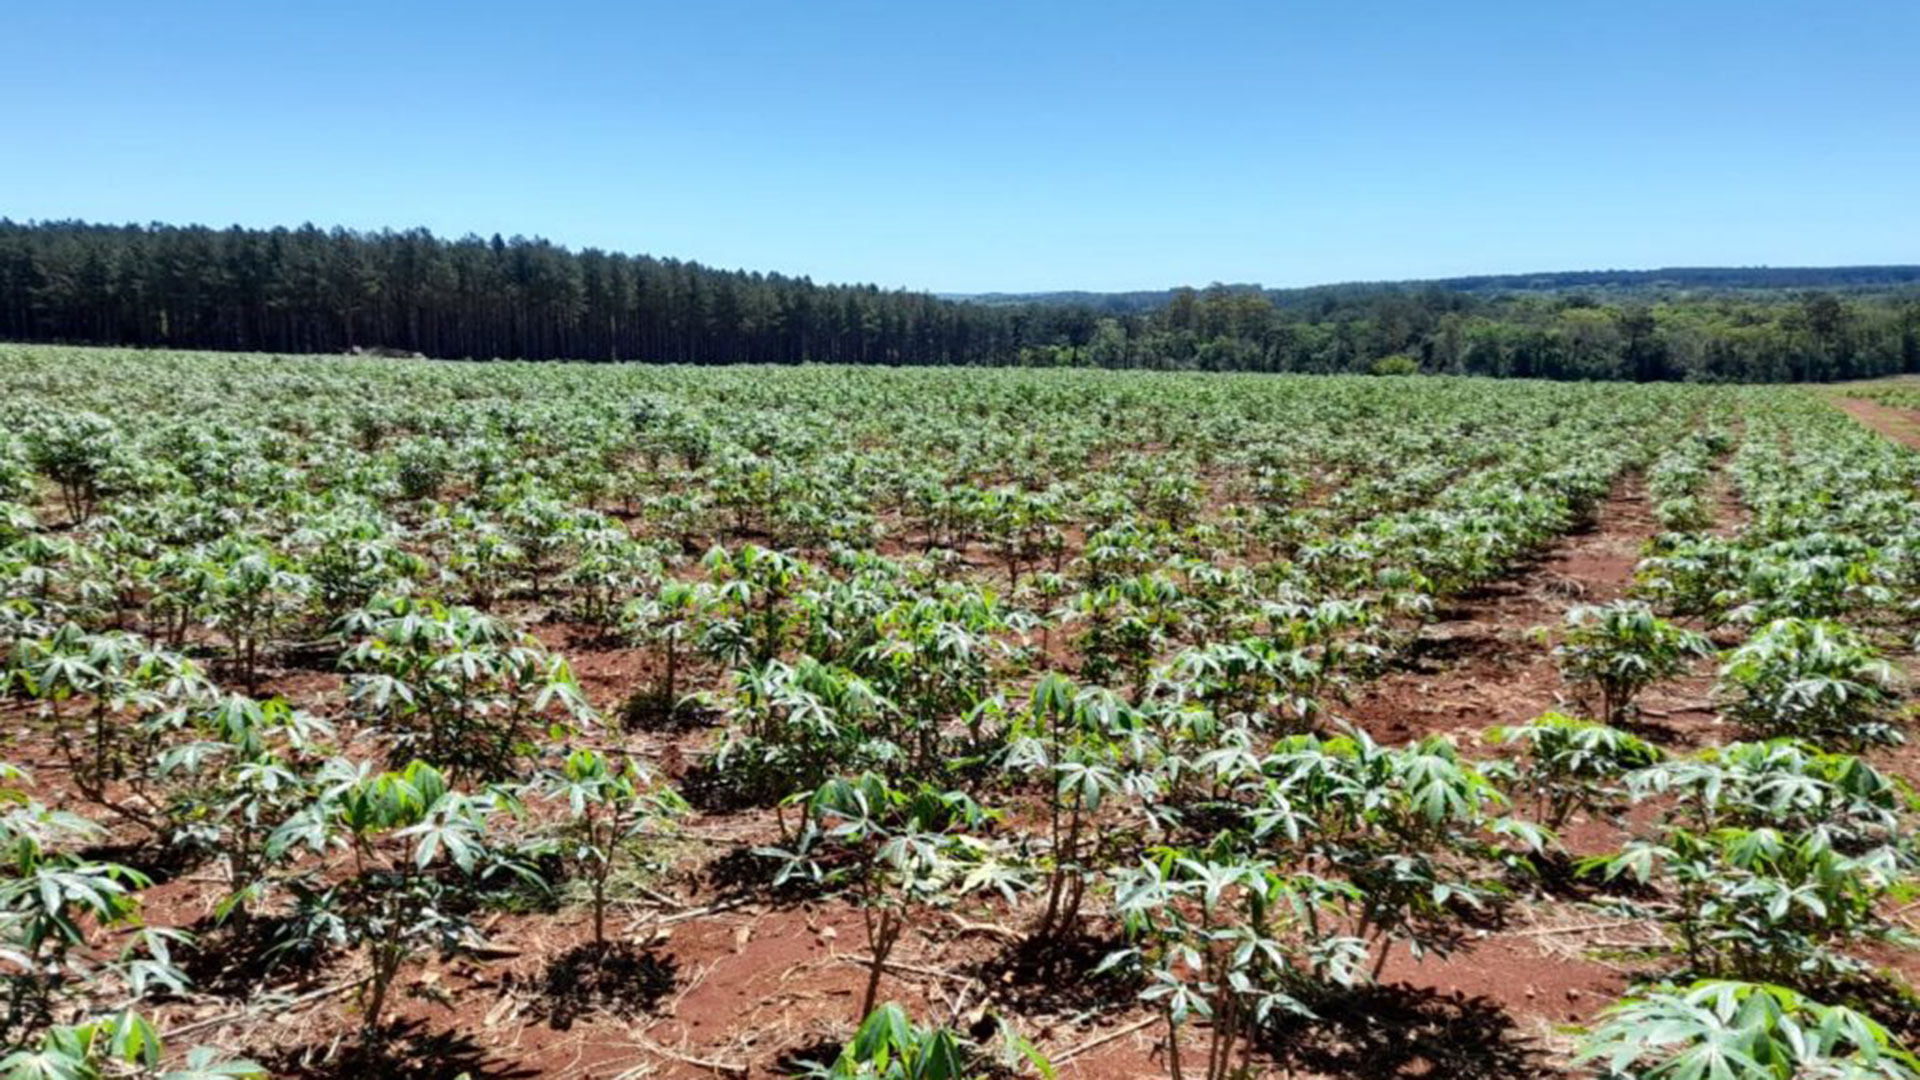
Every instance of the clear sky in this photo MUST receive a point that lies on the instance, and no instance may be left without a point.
(977, 146)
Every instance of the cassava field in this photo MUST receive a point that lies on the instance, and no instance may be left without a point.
(393, 717)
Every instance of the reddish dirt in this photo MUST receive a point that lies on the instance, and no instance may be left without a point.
(754, 985)
(1539, 976)
(1903, 427)
(1900, 425)
(1487, 662)
(1484, 663)
(757, 985)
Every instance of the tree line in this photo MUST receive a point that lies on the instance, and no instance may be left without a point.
(313, 290)
(1780, 336)
(1613, 284)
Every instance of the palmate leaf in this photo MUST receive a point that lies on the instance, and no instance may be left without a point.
(381, 692)
(986, 873)
(50, 1062)
(132, 1039)
(204, 1063)
(1341, 960)
(889, 1046)
(311, 827)
(1740, 1031)
(1532, 836)
(456, 836)
(1016, 1048)
(158, 968)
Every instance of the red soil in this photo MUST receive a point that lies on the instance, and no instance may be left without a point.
(1900, 425)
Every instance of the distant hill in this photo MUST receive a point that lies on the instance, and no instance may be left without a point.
(1667, 280)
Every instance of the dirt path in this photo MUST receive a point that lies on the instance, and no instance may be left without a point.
(1903, 427)
(1482, 664)
(1900, 425)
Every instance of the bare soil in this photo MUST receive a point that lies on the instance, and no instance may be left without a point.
(1900, 425)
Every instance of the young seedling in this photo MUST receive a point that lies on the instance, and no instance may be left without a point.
(1575, 764)
(904, 849)
(1620, 649)
(611, 805)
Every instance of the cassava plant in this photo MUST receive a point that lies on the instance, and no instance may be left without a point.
(897, 850)
(1750, 1031)
(418, 850)
(889, 1046)
(668, 619)
(1760, 903)
(612, 805)
(1575, 765)
(1232, 941)
(1620, 649)
(1813, 680)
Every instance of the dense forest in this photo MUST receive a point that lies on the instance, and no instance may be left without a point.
(316, 290)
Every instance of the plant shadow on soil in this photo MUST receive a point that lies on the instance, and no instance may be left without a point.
(236, 958)
(1557, 874)
(1056, 976)
(1656, 731)
(1398, 1031)
(647, 710)
(616, 979)
(160, 862)
(712, 790)
(803, 1059)
(408, 1051)
(1882, 995)
(742, 873)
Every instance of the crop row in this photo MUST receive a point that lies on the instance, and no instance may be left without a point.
(1069, 648)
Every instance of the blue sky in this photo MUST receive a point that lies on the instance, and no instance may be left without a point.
(998, 146)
